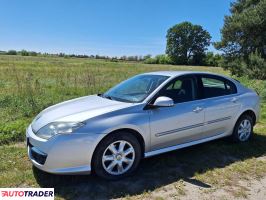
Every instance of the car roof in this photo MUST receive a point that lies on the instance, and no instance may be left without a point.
(178, 73)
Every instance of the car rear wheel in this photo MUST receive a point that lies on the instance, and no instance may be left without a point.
(118, 155)
(243, 130)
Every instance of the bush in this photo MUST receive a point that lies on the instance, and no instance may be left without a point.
(32, 53)
(24, 53)
(254, 67)
(11, 52)
(159, 59)
(236, 66)
(212, 59)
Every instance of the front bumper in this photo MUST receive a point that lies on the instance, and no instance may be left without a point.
(62, 154)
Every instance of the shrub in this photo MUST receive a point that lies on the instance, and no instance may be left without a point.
(11, 52)
(235, 66)
(24, 53)
(33, 53)
(254, 66)
(159, 59)
(212, 59)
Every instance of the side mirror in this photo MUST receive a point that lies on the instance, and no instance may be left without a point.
(163, 102)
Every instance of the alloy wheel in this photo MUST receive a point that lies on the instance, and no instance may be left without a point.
(244, 130)
(118, 157)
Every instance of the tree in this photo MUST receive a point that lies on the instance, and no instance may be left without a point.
(211, 59)
(244, 37)
(159, 59)
(244, 31)
(24, 53)
(33, 53)
(12, 52)
(61, 54)
(257, 66)
(186, 43)
(146, 56)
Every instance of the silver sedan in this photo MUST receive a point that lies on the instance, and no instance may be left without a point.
(146, 115)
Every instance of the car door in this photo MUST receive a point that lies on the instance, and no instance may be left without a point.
(180, 123)
(221, 104)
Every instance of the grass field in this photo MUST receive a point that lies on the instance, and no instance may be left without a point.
(30, 84)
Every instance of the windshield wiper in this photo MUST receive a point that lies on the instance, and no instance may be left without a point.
(115, 98)
(106, 96)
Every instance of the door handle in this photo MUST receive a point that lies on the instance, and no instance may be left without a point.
(234, 100)
(197, 109)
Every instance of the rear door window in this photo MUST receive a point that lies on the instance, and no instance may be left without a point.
(217, 86)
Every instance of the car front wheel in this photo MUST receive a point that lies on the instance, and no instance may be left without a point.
(118, 155)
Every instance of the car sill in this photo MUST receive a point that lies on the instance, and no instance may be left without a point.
(180, 146)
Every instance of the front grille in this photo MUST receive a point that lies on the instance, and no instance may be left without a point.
(36, 156)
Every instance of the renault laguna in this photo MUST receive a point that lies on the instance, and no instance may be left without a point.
(146, 115)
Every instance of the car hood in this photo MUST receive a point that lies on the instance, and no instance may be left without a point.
(79, 109)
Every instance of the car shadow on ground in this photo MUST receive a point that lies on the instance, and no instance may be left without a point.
(157, 171)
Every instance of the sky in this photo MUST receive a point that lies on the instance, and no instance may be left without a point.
(103, 27)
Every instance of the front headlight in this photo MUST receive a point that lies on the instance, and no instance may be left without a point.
(55, 128)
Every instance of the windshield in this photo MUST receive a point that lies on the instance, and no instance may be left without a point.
(135, 89)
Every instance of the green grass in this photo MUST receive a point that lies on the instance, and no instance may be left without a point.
(215, 164)
(30, 84)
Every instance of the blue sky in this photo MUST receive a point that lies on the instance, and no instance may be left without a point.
(105, 27)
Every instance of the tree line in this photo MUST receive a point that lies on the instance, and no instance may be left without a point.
(23, 52)
(209, 58)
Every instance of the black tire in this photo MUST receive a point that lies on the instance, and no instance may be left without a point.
(235, 136)
(97, 164)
